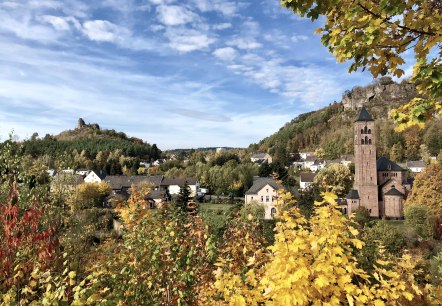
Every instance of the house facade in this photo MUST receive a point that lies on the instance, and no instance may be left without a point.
(95, 176)
(261, 158)
(380, 185)
(306, 179)
(264, 191)
(416, 166)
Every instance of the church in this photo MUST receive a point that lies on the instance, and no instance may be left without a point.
(380, 185)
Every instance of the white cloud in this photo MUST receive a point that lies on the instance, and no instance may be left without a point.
(244, 43)
(225, 54)
(226, 8)
(103, 30)
(173, 15)
(60, 23)
(187, 40)
(222, 26)
(298, 38)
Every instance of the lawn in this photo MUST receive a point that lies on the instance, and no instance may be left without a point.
(216, 216)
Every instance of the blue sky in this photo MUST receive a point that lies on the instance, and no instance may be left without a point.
(180, 74)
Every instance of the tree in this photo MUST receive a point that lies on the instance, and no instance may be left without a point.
(183, 197)
(419, 218)
(313, 262)
(376, 35)
(427, 189)
(89, 195)
(397, 152)
(265, 170)
(334, 178)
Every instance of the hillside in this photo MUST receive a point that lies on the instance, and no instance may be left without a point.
(331, 128)
(89, 146)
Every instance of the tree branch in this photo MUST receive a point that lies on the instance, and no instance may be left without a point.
(399, 26)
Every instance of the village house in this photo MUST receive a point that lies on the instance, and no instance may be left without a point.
(264, 190)
(261, 158)
(95, 176)
(416, 166)
(306, 179)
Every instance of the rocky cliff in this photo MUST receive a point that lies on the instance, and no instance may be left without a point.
(383, 90)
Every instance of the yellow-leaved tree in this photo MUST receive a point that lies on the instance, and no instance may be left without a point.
(313, 262)
(376, 35)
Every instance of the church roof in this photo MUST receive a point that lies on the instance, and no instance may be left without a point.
(394, 192)
(353, 195)
(384, 164)
(364, 115)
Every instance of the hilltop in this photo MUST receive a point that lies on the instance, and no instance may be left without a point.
(331, 128)
(90, 140)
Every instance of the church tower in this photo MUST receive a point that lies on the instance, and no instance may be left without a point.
(365, 162)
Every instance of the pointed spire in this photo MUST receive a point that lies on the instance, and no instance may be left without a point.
(364, 115)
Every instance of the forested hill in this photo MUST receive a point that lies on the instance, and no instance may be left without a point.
(331, 128)
(89, 146)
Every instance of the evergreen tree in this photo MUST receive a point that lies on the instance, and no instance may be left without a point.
(183, 197)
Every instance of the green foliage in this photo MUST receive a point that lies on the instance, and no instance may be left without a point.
(183, 197)
(334, 178)
(390, 236)
(419, 218)
(362, 216)
(89, 195)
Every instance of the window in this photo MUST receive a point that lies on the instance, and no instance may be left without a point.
(251, 198)
(369, 131)
(273, 212)
(365, 130)
(366, 140)
(369, 141)
(262, 198)
(267, 198)
(362, 141)
(267, 190)
(362, 131)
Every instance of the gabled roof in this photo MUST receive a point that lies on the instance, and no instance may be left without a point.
(394, 192)
(307, 176)
(408, 181)
(259, 155)
(167, 181)
(353, 195)
(101, 174)
(384, 164)
(364, 115)
(261, 182)
(415, 163)
(118, 182)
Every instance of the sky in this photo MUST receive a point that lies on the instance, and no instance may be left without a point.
(181, 74)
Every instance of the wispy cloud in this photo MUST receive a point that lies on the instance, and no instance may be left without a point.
(196, 114)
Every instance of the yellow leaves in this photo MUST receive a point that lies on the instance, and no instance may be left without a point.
(172, 234)
(321, 281)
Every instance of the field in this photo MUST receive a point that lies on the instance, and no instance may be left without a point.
(216, 216)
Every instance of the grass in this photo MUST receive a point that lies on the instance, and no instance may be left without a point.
(215, 216)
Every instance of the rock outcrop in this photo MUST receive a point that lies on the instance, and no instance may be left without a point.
(384, 90)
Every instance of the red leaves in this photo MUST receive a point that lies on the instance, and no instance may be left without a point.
(23, 239)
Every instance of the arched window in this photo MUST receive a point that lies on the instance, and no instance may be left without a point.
(273, 212)
(369, 141)
(366, 140)
(365, 130)
(362, 141)
(362, 131)
(369, 131)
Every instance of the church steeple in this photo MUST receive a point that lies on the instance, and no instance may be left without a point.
(364, 115)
